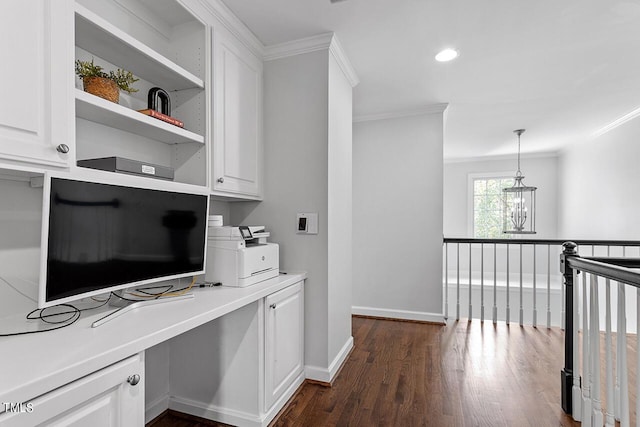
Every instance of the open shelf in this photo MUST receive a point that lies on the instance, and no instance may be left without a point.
(99, 37)
(96, 109)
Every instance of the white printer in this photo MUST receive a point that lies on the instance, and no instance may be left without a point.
(240, 256)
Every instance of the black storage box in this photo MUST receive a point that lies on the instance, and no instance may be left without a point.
(133, 167)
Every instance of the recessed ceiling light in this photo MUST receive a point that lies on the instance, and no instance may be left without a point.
(446, 55)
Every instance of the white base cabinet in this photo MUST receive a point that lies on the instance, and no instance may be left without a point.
(242, 368)
(113, 396)
(284, 341)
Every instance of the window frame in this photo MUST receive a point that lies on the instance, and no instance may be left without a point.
(471, 178)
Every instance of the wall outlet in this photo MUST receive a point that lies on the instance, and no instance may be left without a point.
(307, 223)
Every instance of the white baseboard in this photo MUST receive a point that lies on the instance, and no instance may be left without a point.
(327, 375)
(399, 314)
(211, 412)
(155, 408)
(233, 417)
(279, 404)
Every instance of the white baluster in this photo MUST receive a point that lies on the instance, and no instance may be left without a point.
(562, 304)
(535, 306)
(457, 281)
(586, 366)
(495, 285)
(521, 317)
(637, 357)
(549, 290)
(508, 319)
(622, 348)
(446, 281)
(597, 419)
(470, 298)
(482, 282)
(616, 389)
(576, 392)
(610, 412)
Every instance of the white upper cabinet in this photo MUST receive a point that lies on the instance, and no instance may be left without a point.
(36, 101)
(237, 145)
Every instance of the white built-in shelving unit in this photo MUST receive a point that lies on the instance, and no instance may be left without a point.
(164, 46)
(107, 41)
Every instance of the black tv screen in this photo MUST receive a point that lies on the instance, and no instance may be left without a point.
(103, 236)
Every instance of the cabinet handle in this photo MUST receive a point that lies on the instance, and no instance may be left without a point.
(273, 306)
(133, 379)
(221, 180)
(62, 148)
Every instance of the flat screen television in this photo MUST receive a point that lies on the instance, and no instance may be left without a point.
(100, 236)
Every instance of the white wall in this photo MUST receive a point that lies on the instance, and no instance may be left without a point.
(598, 198)
(597, 195)
(340, 211)
(217, 207)
(540, 172)
(306, 119)
(397, 217)
(20, 226)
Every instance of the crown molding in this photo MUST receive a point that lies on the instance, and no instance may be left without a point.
(335, 48)
(538, 155)
(234, 25)
(616, 123)
(430, 109)
(326, 41)
(298, 47)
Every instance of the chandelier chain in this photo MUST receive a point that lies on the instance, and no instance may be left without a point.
(519, 132)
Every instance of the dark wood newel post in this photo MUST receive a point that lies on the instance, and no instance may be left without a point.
(568, 250)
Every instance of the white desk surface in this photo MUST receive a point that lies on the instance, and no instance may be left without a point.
(38, 363)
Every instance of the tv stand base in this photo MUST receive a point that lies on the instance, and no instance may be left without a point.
(137, 304)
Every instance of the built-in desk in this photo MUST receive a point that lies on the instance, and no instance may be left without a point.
(34, 365)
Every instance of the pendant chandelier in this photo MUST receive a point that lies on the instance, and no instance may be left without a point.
(519, 203)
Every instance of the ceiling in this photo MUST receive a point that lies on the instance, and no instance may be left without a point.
(560, 69)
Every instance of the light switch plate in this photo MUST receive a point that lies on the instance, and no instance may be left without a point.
(307, 223)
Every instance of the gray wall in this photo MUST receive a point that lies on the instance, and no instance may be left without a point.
(397, 217)
(597, 178)
(299, 118)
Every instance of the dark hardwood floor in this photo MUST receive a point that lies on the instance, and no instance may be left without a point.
(417, 374)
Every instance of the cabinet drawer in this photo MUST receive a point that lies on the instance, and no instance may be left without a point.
(104, 398)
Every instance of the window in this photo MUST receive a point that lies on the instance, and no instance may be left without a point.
(487, 206)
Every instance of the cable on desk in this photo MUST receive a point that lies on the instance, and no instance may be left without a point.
(167, 293)
(43, 315)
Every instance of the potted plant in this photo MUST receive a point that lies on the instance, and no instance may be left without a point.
(102, 84)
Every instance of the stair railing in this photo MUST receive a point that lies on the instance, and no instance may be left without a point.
(585, 279)
(496, 278)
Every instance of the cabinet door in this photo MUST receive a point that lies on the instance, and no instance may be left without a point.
(36, 107)
(284, 340)
(103, 399)
(237, 145)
